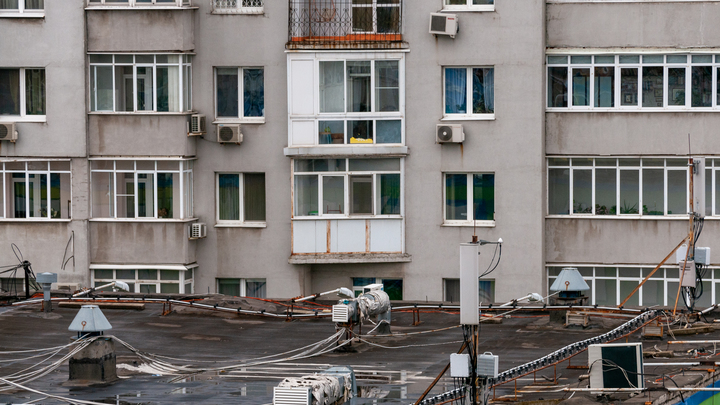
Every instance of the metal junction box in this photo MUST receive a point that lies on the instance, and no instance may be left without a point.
(460, 365)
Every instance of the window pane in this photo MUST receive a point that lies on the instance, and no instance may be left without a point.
(320, 165)
(389, 131)
(455, 90)
(60, 195)
(37, 194)
(102, 195)
(332, 92)
(605, 292)
(629, 191)
(229, 286)
(605, 191)
(702, 86)
(146, 195)
(10, 91)
(187, 88)
(559, 191)
(254, 93)
(708, 193)
(167, 288)
(168, 185)
(333, 194)
(557, 86)
(144, 89)
(387, 80)
(364, 165)
(254, 199)
(486, 291)
(582, 191)
(388, 18)
(256, 289)
(148, 288)
(103, 274)
(35, 91)
(484, 197)
(677, 192)
(652, 188)
(227, 92)
(358, 86)
(169, 275)
(483, 91)
(147, 274)
(629, 86)
(361, 195)
(8, 4)
(362, 18)
(652, 86)
(581, 87)
(34, 4)
(394, 289)
(652, 293)
(188, 189)
(125, 195)
(124, 89)
(388, 194)
(168, 88)
(626, 287)
(306, 195)
(676, 86)
(228, 197)
(360, 131)
(331, 132)
(671, 293)
(604, 87)
(456, 197)
(452, 289)
(125, 274)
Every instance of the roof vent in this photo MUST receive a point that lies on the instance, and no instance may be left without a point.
(569, 283)
(89, 321)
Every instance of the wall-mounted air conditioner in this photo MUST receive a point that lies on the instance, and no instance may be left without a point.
(229, 133)
(450, 133)
(444, 24)
(8, 131)
(197, 125)
(198, 230)
(616, 365)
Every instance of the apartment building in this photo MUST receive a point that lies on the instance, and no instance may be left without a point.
(303, 134)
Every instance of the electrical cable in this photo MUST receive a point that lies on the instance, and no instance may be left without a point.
(499, 246)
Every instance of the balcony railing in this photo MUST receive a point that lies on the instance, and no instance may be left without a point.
(345, 23)
(237, 6)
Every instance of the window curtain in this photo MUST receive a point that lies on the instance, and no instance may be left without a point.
(8, 4)
(227, 92)
(455, 91)
(254, 197)
(165, 194)
(10, 91)
(229, 197)
(358, 86)
(484, 197)
(456, 197)
(229, 286)
(483, 91)
(34, 4)
(389, 194)
(35, 91)
(254, 93)
(168, 88)
(256, 289)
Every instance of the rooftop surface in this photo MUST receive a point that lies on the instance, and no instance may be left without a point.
(394, 369)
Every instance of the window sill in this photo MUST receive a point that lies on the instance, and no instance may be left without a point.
(36, 220)
(239, 11)
(22, 15)
(139, 113)
(623, 217)
(346, 150)
(331, 258)
(27, 118)
(636, 110)
(479, 224)
(244, 121)
(484, 117)
(157, 220)
(104, 7)
(345, 217)
(464, 9)
(241, 225)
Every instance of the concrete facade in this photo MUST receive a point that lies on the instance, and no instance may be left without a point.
(303, 255)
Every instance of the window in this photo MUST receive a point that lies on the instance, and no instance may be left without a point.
(469, 92)
(139, 3)
(378, 16)
(237, 6)
(35, 190)
(240, 197)
(486, 290)
(240, 93)
(617, 187)
(22, 93)
(469, 5)
(25, 8)
(242, 287)
(462, 191)
(141, 189)
(347, 187)
(632, 82)
(393, 287)
(140, 83)
(360, 102)
(147, 280)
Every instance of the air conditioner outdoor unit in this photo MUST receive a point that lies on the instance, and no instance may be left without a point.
(292, 396)
(197, 124)
(198, 230)
(229, 133)
(616, 365)
(8, 131)
(444, 24)
(449, 133)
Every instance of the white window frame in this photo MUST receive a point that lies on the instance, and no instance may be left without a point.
(24, 117)
(184, 172)
(469, 94)
(617, 66)
(469, 6)
(346, 174)
(236, 7)
(242, 222)
(371, 115)
(27, 171)
(619, 168)
(243, 284)
(471, 220)
(22, 12)
(138, 4)
(241, 118)
(374, 5)
(184, 68)
(182, 280)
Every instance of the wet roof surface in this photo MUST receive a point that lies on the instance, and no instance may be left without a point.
(397, 373)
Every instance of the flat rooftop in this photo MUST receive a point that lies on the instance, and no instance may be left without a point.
(393, 369)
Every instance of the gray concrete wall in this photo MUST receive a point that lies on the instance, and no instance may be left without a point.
(138, 30)
(139, 135)
(651, 24)
(141, 242)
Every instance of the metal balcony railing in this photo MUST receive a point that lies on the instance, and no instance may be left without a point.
(344, 23)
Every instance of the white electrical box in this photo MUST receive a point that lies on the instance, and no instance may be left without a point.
(702, 255)
(469, 297)
(680, 254)
(699, 186)
(460, 365)
(487, 365)
(688, 280)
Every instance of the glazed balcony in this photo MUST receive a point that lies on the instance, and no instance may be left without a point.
(345, 24)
